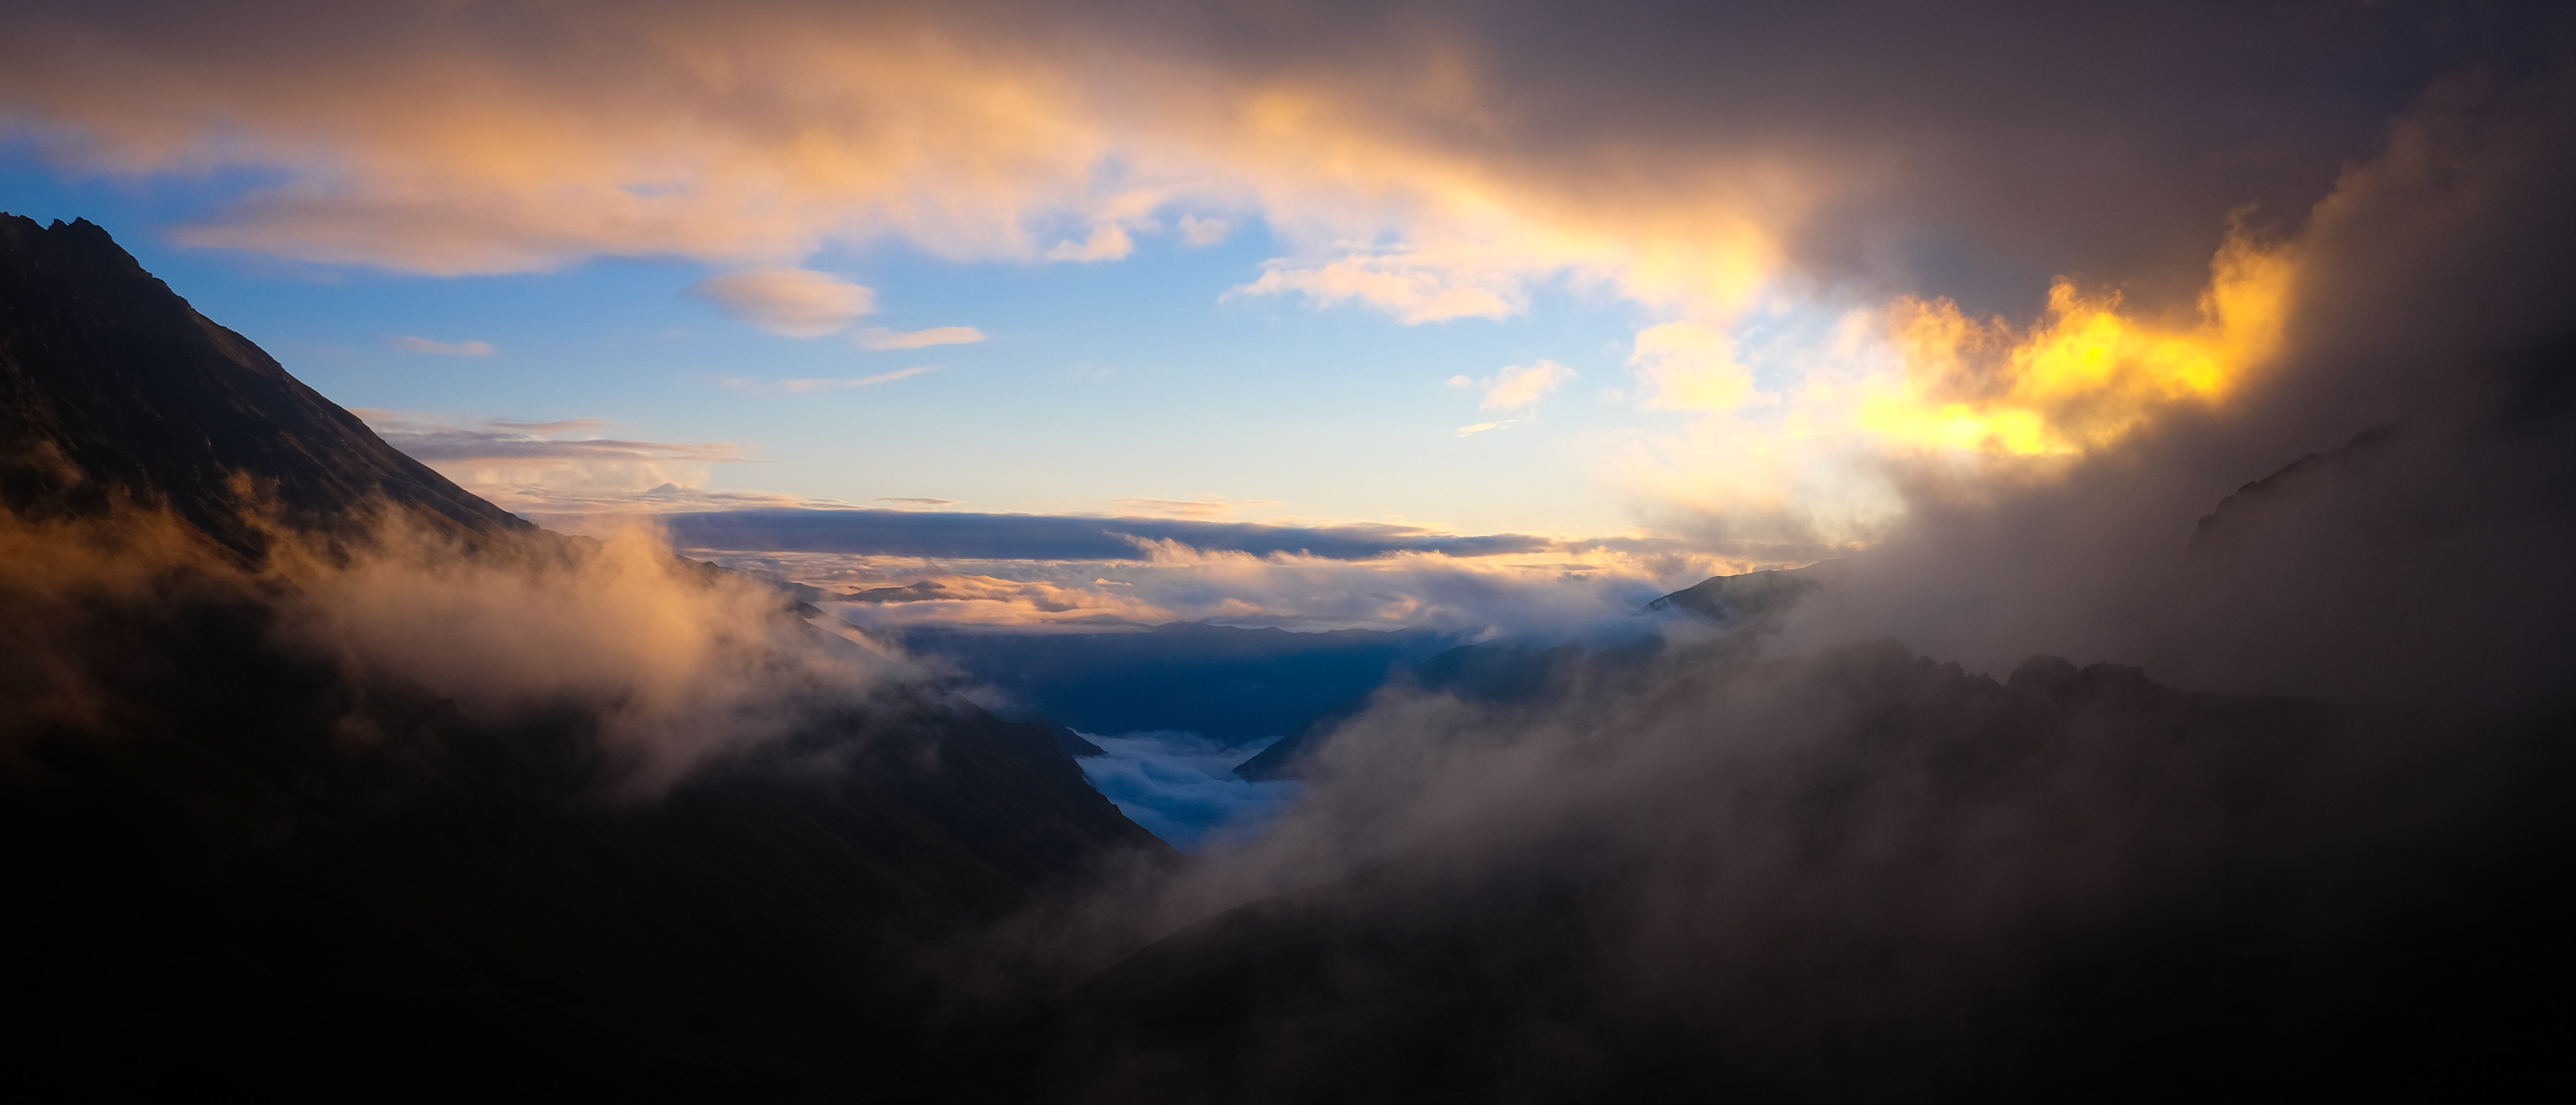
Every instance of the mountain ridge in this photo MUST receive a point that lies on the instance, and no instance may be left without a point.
(258, 862)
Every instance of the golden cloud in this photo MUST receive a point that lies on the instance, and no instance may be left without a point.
(2086, 377)
(463, 140)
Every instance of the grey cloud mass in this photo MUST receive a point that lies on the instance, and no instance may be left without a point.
(1972, 150)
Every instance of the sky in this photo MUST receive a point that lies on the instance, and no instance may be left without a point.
(1639, 292)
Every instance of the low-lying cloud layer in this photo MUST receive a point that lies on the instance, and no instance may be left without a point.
(965, 536)
(1871, 844)
(1182, 787)
(1553, 595)
(673, 663)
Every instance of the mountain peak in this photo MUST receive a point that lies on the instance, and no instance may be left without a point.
(114, 390)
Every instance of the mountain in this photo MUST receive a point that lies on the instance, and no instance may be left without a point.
(243, 859)
(1753, 598)
(113, 389)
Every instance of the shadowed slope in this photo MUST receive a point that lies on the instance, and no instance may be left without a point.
(247, 857)
(112, 387)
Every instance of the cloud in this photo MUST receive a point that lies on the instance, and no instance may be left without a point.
(799, 303)
(1689, 366)
(1413, 289)
(1924, 171)
(918, 502)
(1108, 242)
(1521, 385)
(1182, 787)
(673, 665)
(2367, 399)
(1431, 164)
(1186, 508)
(874, 338)
(1060, 537)
(1481, 427)
(590, 426)
(2089, 374)
(1196, 231)
(1546, 594)
(553, 466)
(453, 349)
(806, 386)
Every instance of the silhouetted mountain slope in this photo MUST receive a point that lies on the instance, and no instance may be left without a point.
(1752, 598)
(1864, 876)
(111, 385)
(245, 856)
(2224, 523)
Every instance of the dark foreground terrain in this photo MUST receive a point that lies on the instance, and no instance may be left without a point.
(2074, 885)
(236, 864)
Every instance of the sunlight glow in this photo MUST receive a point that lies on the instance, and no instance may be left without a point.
(2086, 378)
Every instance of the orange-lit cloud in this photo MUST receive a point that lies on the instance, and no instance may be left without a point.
(1426, 165)
(490, 140)
(874, 338)
(2088, 375)
(1212, 507)
(799, 303)
(1168, 581)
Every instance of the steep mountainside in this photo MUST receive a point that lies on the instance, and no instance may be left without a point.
(111, 387)
(241, 862)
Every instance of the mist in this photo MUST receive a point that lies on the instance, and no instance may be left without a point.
(1182, 787)
(672, 663)
(1858, 851)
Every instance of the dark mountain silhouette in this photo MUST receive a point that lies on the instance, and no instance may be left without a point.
(1749, 600)
(113, 389)
(239, 867)
(2224, 524)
